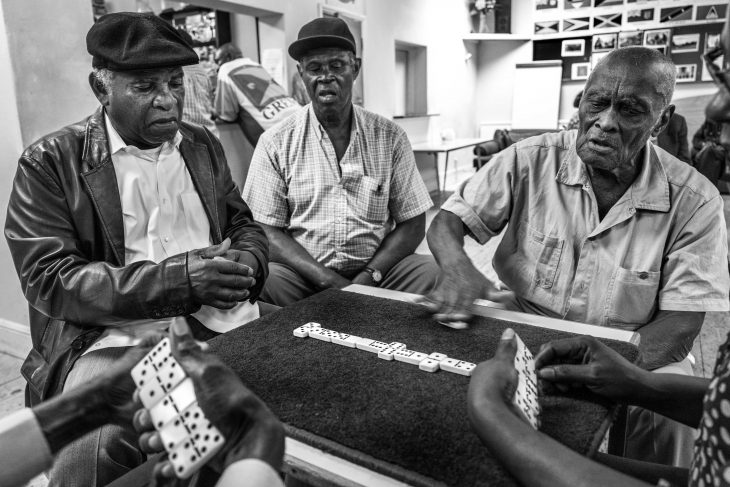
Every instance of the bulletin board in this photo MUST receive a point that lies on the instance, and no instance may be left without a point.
(581, 32)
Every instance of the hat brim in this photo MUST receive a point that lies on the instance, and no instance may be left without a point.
(299, 48)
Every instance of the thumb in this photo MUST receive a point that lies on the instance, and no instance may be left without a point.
(216, 250)
(565, 373)
(182, 342)
(507, 347)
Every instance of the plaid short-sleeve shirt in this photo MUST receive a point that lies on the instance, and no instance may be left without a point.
(339, 212)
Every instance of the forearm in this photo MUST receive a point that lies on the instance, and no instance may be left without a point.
(72, 414)
(675, 396)
(535, 459)
(446, 239)
(668, 338)
(399, 244)
(286, 250)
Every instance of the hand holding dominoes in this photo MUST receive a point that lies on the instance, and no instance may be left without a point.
(200, 411)
(508, 379)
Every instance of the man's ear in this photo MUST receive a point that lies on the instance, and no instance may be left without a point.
(299, 70)
(663, 121)
(356, 66)
(100, 91)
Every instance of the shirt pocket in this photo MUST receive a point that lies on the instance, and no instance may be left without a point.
(632, 295)
(545, 251)
(372, 200)
(196, 221)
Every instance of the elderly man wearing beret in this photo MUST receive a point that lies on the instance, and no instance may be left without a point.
(126, 222)
(335, 186)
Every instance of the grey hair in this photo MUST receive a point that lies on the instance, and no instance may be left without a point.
(103, 76)
(642, 58)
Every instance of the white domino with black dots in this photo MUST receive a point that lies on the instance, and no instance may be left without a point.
(526, 394)
(393, 351)
(169, 396)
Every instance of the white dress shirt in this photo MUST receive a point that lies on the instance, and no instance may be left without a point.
(163, 216)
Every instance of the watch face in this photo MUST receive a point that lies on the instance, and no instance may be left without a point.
(377, 276)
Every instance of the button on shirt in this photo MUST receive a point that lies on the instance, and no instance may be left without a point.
(663, 245)
(163, 216)
(339, 212)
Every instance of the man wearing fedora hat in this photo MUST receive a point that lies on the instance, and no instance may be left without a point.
(124, 223)
(335, 186)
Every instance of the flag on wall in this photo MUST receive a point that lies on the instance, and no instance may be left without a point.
(549, 27)
(607, 21)
(570, 4)
(605, 3)
(674, 14)
(582, 23)
(711, 12)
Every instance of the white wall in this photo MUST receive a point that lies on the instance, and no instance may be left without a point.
(12, 301)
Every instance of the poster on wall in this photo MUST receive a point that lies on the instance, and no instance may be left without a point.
(570, 4)
(604, 42)
(706, 76)
(580, 71)
(606, 3)
(610, 21)
(570, 25)
(686, 73)
(685, 42)
(630, 38)
(546, 4)
(643, 15)
(676, 14)
(654, 38)
(711, 12)
(573, 48)
(549, 27)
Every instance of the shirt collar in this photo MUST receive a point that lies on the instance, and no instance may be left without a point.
(321, 132)
(649, 191)
(116, 143)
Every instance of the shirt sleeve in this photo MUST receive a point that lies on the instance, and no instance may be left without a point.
(24, 452)
(695, 271)
(265, 190)
(408, 194)
(250, 472)
(226, 101)
(484, 201)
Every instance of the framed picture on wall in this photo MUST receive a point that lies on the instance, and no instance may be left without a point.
(711, 41)
(580, 71)
(630, 39)
(573, 48)
(643, 15)
(686, 42)
(604, 42)
(548, 27)
(706, 76)
(545, 4)
(686, 73)
(654, 38)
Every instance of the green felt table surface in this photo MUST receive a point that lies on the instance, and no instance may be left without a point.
(390, 416)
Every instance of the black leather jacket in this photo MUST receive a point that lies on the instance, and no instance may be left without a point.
(66, 235)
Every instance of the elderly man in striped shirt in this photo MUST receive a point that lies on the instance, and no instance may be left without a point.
(336, 187)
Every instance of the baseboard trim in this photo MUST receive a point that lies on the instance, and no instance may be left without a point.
(14, 338)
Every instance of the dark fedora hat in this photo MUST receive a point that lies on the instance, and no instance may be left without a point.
(128, 40)
(322, 32)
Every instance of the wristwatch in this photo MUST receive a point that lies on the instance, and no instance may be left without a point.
(375, 274)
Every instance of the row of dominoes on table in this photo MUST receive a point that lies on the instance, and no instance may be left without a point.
(387, 351)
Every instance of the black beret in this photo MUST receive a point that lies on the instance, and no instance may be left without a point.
(322, 32)
(128, 40)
